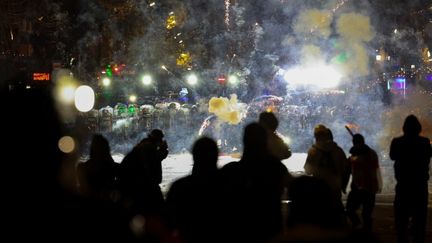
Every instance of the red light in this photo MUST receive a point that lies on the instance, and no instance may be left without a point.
(221, 79)
(116, 69)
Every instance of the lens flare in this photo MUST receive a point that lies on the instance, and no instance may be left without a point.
(66, 144)
(84, 98)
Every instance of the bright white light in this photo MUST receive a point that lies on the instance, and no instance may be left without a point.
(28, 87)
(232, 79)
(286, 139)
(152, 4)
(428, 54)
(412, 66)
(132, 98)
(321, 76)
(68, 94)
(395, 31)
(146, 80)
(106, 82)
(388, 58)
(192, 79)
(84, 98)
(378, 57)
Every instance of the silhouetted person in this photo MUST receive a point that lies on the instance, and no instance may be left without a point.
(40, 197)
(327, 161)
(253, 189)
(364, 184)
(192, 201)
(276, 146)
(141, 173)
(312, 214)
(411, 153)
(97, 176)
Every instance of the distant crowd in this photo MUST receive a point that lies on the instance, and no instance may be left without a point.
(51, 197)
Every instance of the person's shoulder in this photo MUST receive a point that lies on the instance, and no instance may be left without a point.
(424, 139)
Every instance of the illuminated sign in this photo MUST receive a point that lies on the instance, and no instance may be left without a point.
(41, 76)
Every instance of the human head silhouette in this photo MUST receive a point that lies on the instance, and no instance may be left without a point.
(205, 155)
(412, 126)
(268, 120)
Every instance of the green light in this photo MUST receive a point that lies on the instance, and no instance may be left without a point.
(108, 71)
(341, 58)
(131, 110)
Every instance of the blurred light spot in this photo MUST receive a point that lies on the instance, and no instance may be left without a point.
(66, 144)
(68, 94)
(152, 4)
(28, 87)
(146, 80)
(192, 79)
(378, 57)
(132, 98)
(84, 98)
(137, 224)
(106, 82)
(233, 79)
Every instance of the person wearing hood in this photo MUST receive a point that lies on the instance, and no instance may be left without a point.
(365, 182)
(275, 144)
(411, 153)
(327, 161)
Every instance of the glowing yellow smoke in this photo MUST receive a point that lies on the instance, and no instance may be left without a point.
(355, 27)
(227, 110)
(355, 30)
(314, 21)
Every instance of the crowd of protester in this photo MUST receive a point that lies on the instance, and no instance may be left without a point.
(50, 197)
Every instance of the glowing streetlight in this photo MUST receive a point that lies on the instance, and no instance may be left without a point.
(133, 98)
(378, 57)
(106, 82)
(232, 79)
(192, 79)
(84, 98)
(146, 80)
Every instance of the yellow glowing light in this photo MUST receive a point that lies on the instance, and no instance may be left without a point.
(378, 57)
(133, 98)
(184, 59)
(84, 98)
(428, 54)
(66, 144)
(106, 82)
(68, 94)
(171, 21)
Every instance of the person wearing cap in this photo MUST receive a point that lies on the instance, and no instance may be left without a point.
(365, 182)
